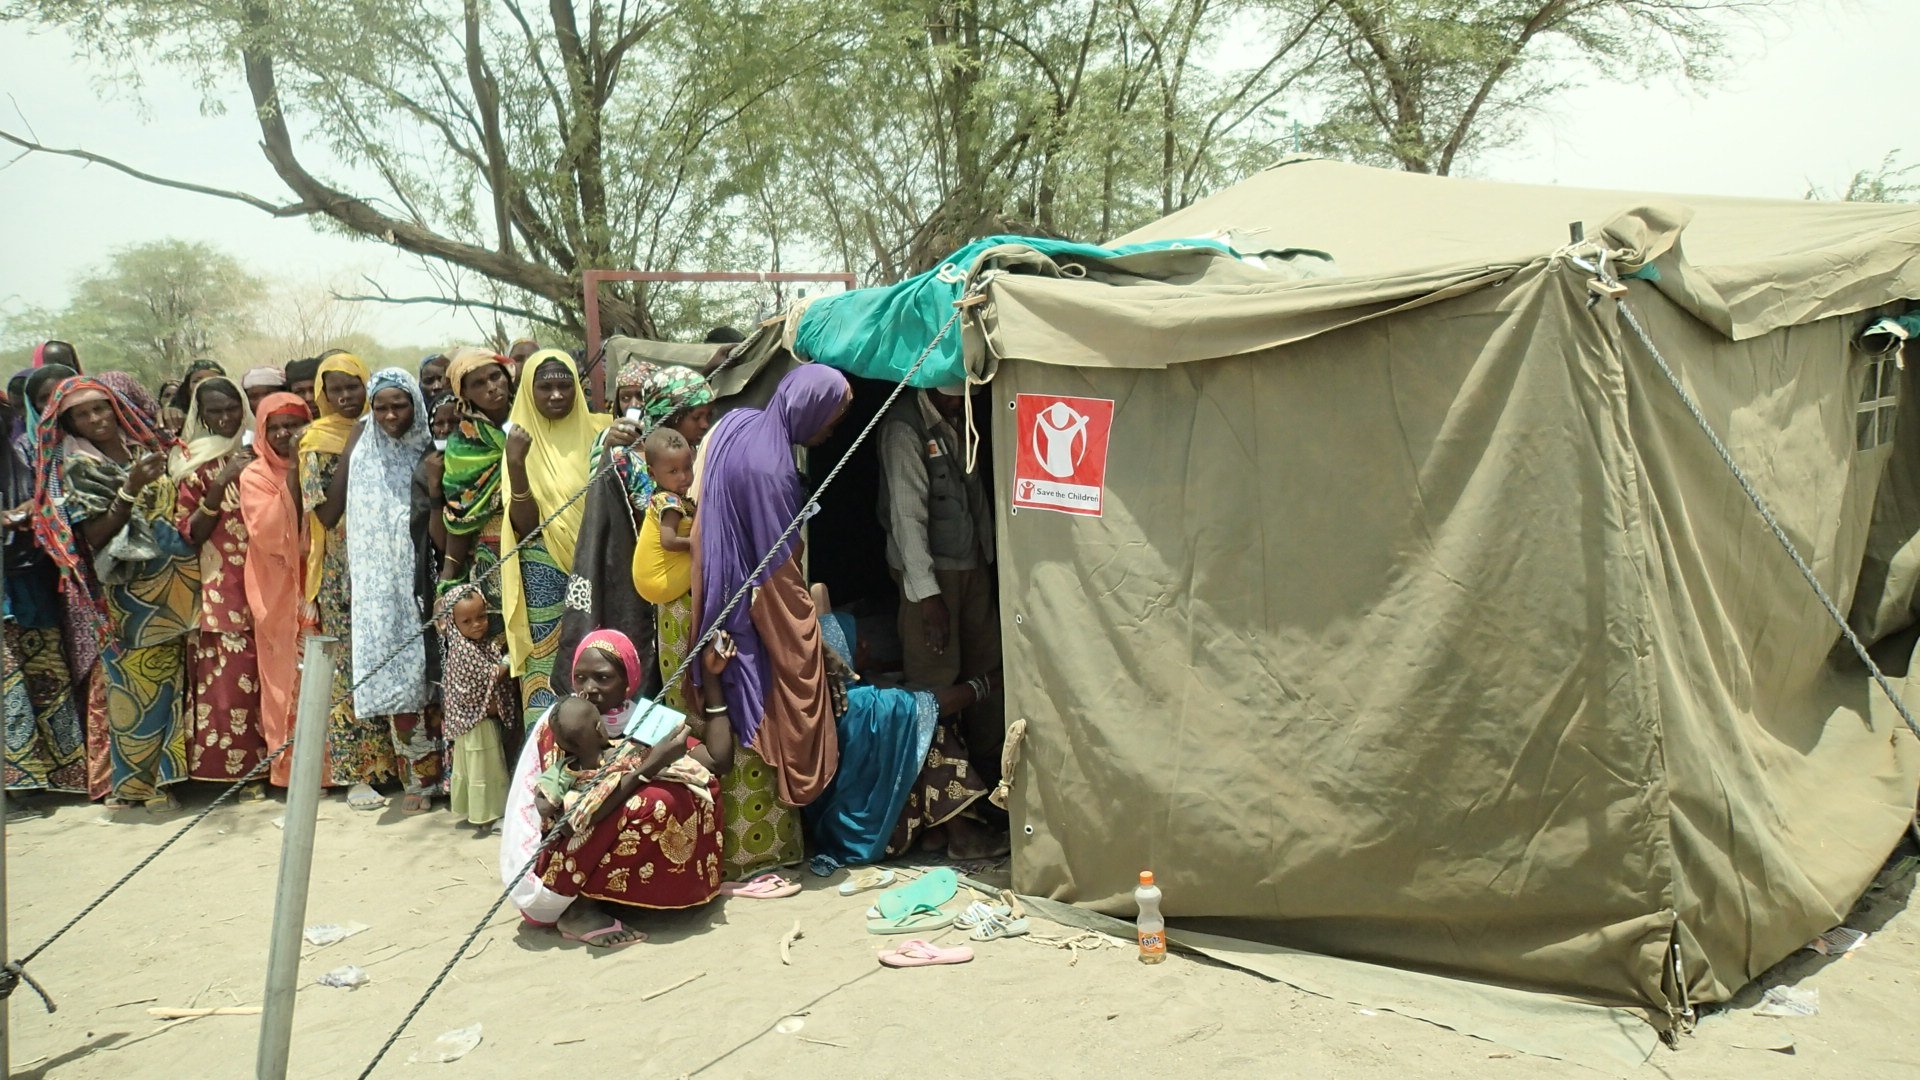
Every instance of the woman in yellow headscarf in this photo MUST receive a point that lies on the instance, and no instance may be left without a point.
(358, 754)
(549, 458)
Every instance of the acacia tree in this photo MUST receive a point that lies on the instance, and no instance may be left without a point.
(521, 143)
(1425, 84)
(512, 145)
(153, 308)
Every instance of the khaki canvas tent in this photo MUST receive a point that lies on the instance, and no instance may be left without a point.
(1420, 622)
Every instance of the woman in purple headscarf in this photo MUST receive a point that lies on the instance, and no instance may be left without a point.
(776, 689)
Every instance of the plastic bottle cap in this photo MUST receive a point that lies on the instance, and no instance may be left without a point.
(1146, 877)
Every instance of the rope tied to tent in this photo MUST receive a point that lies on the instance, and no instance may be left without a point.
(1577, 254)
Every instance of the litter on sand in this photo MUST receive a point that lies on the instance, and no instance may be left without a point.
(1788, 1001)
(347, 977)
(451, 1046)
(1838, 941)
(324, 934)
(789, 1025)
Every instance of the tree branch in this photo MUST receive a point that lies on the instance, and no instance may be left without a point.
(452, 301)
(302, 208)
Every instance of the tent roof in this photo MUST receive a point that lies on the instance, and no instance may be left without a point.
(1744, 266)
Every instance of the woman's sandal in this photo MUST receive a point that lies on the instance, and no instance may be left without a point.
(255, 792)
(592, 937)
(917, 953)
(416, 803)
(913, 921)
(163, 803)
(764, 887)
(979, 913)
(994, 925)
(866, 877)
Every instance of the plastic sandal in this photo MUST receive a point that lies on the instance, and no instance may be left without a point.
(764, 887)
(592, 937)
(935, 887)
(923, 917)
(867, 877)
(979, 913)
(917, 953)
(995, 927)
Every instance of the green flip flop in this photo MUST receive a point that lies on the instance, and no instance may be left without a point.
(931, 889)
(920, 918)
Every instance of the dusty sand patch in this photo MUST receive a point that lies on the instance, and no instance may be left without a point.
(192, 929)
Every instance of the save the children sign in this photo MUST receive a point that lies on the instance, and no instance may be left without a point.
(1060, 459)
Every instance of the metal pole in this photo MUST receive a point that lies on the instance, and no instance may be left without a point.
(6, 1026)
(296, 859)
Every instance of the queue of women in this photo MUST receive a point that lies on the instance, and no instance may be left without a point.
(505, 579)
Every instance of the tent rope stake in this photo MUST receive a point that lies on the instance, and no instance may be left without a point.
(1766, 514)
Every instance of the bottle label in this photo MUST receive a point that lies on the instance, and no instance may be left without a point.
(1152, 942)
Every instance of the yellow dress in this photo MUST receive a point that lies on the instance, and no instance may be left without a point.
(661, 576)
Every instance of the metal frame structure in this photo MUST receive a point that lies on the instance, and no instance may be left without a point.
(590, 281)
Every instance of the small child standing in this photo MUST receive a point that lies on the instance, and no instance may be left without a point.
(663, 559)
(475, 697)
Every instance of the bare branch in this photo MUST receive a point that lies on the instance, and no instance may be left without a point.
(294, 209)
(452, 301)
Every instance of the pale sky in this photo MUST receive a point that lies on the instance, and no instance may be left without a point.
(1816, 97)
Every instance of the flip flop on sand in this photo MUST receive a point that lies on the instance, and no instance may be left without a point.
(867, 877)
(917, 953)
(933, 888)
(923, 917)
(764, 887)
(592, 937)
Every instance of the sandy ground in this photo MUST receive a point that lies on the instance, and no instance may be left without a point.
(192, 930)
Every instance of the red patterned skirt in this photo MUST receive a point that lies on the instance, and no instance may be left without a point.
(227, 741)
(660, 849)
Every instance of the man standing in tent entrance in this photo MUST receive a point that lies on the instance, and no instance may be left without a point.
(940, 547)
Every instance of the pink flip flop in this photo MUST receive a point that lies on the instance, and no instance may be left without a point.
(764, 887)
(592, 937)
(918, 953)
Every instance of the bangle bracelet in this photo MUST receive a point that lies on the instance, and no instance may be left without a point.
(203, 510)
(716, 710)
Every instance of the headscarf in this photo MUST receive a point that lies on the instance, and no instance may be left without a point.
(52, 516)
(327, 435)
(380, 558)
(421, 371)
(180, 399)
(262, 377)
(558, 466)
(618, 646)
(471, 482)
(40, 379)
(672, 391)
(274, 557)
(751, 493)
(202, 443)
(142, 401)
(633, 375)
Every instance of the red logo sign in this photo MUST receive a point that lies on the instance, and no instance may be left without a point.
(1060, 460)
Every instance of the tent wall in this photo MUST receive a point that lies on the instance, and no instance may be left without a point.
(1353, 654)
(1790, 776)
(1414, 642)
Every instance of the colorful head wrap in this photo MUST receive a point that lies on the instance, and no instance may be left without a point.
(671, 392)
(327, 435)
(558, 465)
(52, 526)
(471, 482)
(203, 444)
(617, 645)
(634, 374)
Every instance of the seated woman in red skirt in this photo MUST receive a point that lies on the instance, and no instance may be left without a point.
(659, 847)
